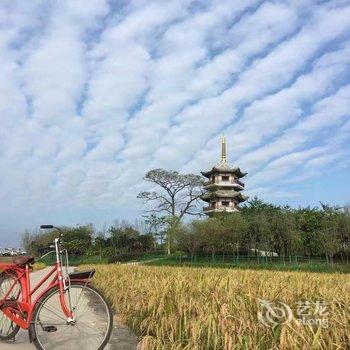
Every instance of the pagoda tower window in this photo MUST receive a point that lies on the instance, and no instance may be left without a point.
(225, 178)
(225, 204)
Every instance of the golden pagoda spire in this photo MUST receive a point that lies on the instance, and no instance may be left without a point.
(223, 151)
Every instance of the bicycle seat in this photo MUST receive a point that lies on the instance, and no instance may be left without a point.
(18, 260)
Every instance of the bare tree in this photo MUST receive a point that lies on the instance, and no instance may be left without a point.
(27, 239)
(177, 195)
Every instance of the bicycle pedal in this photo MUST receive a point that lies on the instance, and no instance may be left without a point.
(50, 329)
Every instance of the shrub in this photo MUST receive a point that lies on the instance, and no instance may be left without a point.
(125, 257)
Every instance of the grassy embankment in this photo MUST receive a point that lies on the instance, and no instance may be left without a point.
(302, 264)
(76, 261)
(206, 308)
(38, 266)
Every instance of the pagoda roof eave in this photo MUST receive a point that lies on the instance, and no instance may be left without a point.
(216, 169)
(205, 199)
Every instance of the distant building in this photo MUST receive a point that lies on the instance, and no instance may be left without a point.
(11, 251)
(223, 188)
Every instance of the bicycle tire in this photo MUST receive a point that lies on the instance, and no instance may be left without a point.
(39, 336)
(11, 329)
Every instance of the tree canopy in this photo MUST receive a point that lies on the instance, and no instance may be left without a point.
(176, 194)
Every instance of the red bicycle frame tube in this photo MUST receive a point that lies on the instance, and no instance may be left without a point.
(20, 312)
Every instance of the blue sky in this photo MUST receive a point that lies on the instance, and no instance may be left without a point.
(95, 93)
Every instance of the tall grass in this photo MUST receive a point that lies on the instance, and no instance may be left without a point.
(203, 308)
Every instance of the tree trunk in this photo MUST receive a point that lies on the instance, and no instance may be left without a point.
(168, 244)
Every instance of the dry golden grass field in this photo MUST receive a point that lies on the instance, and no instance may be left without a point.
(210, 308)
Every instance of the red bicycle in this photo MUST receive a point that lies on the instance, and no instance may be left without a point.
(68, 314)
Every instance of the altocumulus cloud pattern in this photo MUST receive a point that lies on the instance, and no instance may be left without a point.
(95, 93)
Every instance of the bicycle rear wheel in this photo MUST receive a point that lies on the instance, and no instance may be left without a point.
(93, 326)
(8, 329)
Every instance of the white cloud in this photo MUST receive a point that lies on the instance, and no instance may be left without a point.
(93, 94)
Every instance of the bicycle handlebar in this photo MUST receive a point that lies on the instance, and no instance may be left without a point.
(46, 226)
(52, 227)
(57, 241)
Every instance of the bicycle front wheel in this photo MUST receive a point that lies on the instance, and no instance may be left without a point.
(93, 320)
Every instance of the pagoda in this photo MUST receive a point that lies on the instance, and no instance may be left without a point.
(223, 187)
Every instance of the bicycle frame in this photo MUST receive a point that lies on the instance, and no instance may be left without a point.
(21, 311)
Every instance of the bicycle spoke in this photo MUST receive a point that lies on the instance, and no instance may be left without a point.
(89, 335)
(55, 313)
(11, 288)
(5, 322)
(91, 326)
(85, 310)
(85, 325)
(77, 302)
(50, 323)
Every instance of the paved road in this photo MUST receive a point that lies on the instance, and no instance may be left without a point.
(121, 339)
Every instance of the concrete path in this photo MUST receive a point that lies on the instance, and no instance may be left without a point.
(121, 339)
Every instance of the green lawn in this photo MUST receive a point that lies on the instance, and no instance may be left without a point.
(79, 260)
(312, 266)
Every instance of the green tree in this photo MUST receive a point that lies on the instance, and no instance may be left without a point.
(190, 238)
(156, 226)
(78, 239)
(212, 232)
(308, 221)
(329, 237)
(123, 237)
(145, 242)
(344, 235)
(234, 231)
(282, 227)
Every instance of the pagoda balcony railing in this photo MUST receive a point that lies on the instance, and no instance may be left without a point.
(220, 208)
(221, 182)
